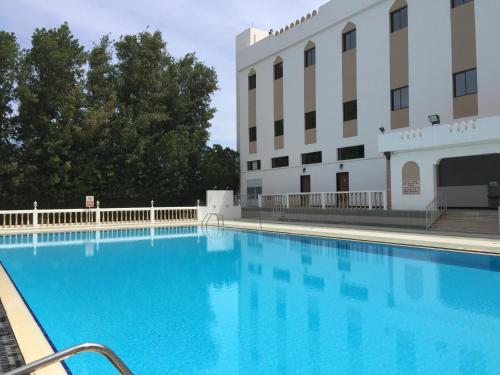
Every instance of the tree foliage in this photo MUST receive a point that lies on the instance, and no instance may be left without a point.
(125, 121)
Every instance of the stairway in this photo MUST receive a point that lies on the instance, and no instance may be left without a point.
(473, 221)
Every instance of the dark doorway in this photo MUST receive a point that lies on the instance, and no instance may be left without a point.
(305, 184)
(343, 181)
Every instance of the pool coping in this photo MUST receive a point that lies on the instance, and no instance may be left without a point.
(32, 341)
(410, 238)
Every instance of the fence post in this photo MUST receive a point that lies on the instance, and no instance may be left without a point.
(323, 201)
(369, 200)
(98, 214)
(384, 197)
(35, 214)
(259, 200)
(152, 212)
(287, 200)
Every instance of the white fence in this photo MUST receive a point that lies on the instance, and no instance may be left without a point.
(95, 216)
(367, 200)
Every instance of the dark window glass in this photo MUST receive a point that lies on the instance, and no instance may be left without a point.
(278, 71)
(457, 3)
(400, 98)
(252, 82)
(278, 128)
(279, 162)
(252, 134)
(310, 120)
(253, 165)
(349, 40)
(399, 19)
(354, 152)
(253, 191)
(312, 158)
(350, 110)
(310, 57)
(465, 83)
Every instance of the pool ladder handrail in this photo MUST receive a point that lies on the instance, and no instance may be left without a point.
(70, 352)
(208, 216)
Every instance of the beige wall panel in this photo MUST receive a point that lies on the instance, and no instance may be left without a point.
(350, 128)
(310, 136)
(399, 59)
(279, 142)
(397, 5)
(252, 147)
(463, 37)
(278, 99)
(252, 108)
(310, 88)
(465, 106)
(349, 79)
(400, 119)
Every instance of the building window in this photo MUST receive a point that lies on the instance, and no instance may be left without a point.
(279, 162)
(350, 110)
(465, 83)
(253, 165)
(312, 158)
(310, 57)
(400, 98)
(252, 133)
(310, 120)
(254, 191)
(399, 19)
(457, 3)
(252, 82)
(349, 40)
(278, 71)
(348, 153)
(278, 128)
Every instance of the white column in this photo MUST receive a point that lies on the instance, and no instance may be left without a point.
(369, 200)
(98, 214)
(323, 200)
(384, 197)
(152, 212)
(259, 200)
(287, 200)
(35, 214)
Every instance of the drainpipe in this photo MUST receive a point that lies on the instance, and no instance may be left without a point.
(388, 179)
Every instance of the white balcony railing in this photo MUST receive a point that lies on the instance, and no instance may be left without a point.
(367, 200)
(95, 216)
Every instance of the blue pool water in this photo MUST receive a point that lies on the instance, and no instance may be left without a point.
(196, 301)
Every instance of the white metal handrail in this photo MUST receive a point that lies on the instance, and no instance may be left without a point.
(208, 216)
(57, 357)
(434, 210)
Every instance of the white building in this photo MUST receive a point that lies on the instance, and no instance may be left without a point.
(339, 101)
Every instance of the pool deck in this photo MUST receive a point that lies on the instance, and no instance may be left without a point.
(406, 237)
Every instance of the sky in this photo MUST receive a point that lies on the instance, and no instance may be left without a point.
(206, 27)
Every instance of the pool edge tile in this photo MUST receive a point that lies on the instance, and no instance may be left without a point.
(31, 339)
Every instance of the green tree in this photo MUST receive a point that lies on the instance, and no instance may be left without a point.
(220, 169)
(50, 90)
(9, 55)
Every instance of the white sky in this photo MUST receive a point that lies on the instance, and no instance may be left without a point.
(207, 27)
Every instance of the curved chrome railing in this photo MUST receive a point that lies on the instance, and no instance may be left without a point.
(63, 354)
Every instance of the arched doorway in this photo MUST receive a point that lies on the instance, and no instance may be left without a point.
(470, 181)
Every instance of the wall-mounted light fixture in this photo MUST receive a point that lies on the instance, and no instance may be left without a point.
(382, 129)
(341, 166)
(304, 170)
(434, 119)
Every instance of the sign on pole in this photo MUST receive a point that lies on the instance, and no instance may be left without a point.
(89, 201)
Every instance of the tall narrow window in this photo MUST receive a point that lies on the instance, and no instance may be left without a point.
(349, 40)
(350, 110)
(252, 82)
(400, 98)
(278, 128)
(399, 19)
(252, 133)
(278, 71)
(310, 120)
(310, 57)
(465, 83)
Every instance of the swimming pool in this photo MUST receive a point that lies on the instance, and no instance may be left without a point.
(190, 300)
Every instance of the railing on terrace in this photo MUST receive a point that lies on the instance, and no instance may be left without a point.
(434, 210)
(94, 216)
(366, 200)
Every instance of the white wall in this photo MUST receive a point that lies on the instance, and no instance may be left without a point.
(220, 202)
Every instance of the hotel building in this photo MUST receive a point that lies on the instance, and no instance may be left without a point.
(399, 96)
